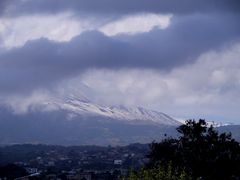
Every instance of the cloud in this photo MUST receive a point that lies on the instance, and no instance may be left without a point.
(136, 24)
(207, 88)
(64, 26)
(21, 104)
(109, 7)
(180, 58)
(42, 62)
(3, 6)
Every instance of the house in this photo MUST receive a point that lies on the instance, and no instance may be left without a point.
(117, 162)
(31, 170)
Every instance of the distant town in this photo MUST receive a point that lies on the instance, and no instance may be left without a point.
(76, 162)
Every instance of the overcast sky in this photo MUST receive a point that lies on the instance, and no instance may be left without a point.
(180, 58)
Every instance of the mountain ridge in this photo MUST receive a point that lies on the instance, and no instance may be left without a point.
(81, 105)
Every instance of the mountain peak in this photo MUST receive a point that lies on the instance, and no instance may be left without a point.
(84, 107)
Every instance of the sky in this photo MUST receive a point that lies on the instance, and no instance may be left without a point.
(180, 58)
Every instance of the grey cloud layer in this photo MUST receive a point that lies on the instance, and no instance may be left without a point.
(42, 62)
(11, 7)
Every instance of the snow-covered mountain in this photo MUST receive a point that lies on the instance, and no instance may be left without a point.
(76, 105)
(72, 117)
(209, 123)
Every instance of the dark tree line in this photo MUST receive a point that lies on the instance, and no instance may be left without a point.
(12, 171)
(200, 151)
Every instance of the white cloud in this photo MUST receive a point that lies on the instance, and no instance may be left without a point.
(16, 31)
(136, 24)
(131, 87)
(23, 103)
(61, 27)
(208, 88)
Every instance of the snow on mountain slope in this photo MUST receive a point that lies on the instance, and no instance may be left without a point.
(209, 123)
(82, 106)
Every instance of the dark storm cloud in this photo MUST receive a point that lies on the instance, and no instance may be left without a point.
(42, 62)
(185, 39)
(3, 6)
(119, 7)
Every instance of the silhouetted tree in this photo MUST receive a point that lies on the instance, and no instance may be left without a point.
(200, 150)
(12, 171)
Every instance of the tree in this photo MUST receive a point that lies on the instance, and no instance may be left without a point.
(200, 150)
(158, 173)
(12, 171)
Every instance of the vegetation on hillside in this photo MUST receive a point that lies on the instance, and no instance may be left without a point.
(200, 152)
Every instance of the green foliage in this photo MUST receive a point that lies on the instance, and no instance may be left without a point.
(200, 150)
(159, 172)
